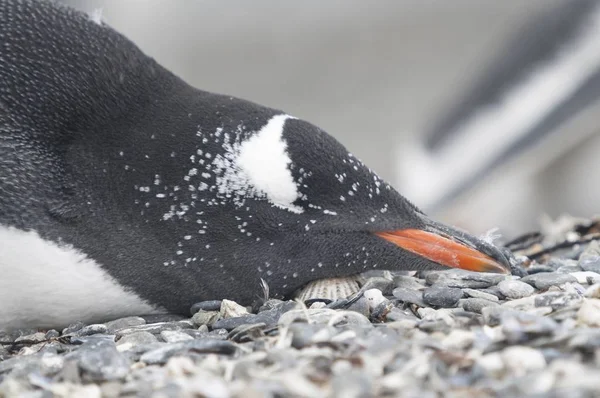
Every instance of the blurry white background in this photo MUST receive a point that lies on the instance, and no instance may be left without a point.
(377, 76)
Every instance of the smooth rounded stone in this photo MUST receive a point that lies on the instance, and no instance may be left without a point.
(476, 304)
(586, 277)
(324, 316)
(430, 314)
(123, 323)
(231, 309)
(514, 289)
(541, 269)
(102, 362)
(445, 297)
(520, 360)
(408, 282)
(568, 269)
(209, 305)
(206, 346)
(410, 296)
(135, 339)
(589, 313)
(556, 300)
(463, 279)
(207, 318)
(545, 281)
(362, 306)
(33, 338)
(173, 336)
(480, 294)
(374, 297)
(90, 330)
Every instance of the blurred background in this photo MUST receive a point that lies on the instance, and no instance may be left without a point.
(483, 113)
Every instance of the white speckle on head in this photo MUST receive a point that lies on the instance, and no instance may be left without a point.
(47, 285)
(331, 213)
(261, 167)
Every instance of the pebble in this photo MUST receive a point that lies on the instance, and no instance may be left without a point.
(589, 313)
(102, 362)
(544, 281)
(480, 294)
(514, 289)
(210, 305)
(122, 323)
(171, 336)
(161, 355)
(445, 297)
(586, 277)
(135, 339)
(207, 318)
(410, 296)
(463, 279)
(476, 304)
(231, 309)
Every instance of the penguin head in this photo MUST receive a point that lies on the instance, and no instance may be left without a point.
(301, 207)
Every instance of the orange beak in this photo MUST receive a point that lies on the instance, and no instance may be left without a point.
(442, 250)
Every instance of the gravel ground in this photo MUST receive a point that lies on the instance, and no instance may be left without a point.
(428, 334)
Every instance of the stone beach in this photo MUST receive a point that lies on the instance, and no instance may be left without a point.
(420, 334)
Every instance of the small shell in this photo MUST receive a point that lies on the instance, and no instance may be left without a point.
(329, 289)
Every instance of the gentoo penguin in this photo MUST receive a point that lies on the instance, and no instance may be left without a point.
(125, 191)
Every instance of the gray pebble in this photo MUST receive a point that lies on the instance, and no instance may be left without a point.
(210, 305)
(514, 289)
(476, 304)
(37, 337)
(207, 318)
(410, 296)
(102, 362)
(480, 294)
(154, 328)
(361, 306)
(268, 317)
(207, 346)
(463, 279)
(91, 330)
(172, 336)
(444, 297)
(135, 339)
(543, 281)
(408, 282)
(122, 323)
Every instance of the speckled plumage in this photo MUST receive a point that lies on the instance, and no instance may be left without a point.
(104, 150)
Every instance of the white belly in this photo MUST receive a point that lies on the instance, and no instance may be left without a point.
(46, 285)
